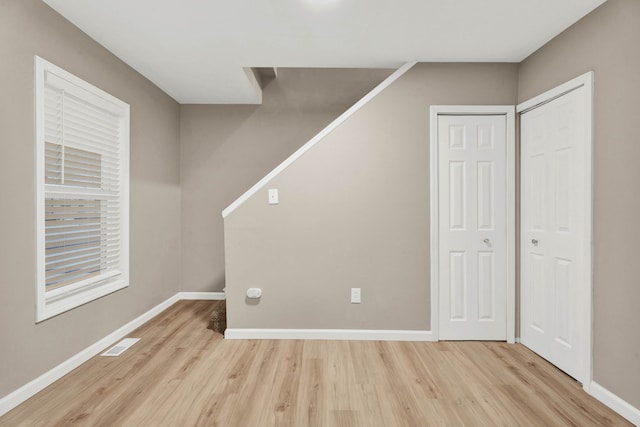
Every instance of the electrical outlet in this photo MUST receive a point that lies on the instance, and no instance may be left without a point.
(356, 295)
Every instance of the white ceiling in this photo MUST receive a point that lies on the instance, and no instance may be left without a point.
(198, 50)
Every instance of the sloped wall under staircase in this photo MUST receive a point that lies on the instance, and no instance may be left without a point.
(353, 212)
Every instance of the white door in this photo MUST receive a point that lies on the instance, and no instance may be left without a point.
(472, 227)
(554, 221)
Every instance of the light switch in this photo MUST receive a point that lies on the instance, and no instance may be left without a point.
(273, 196)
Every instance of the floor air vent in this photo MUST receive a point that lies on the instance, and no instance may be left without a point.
(119, 348)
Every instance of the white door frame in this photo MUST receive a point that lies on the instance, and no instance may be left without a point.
(586, 81)
(474, 110)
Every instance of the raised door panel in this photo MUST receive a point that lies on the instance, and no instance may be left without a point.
(486, 286)
(563, 304)
(458, 288)
(486, 185)
(536, 293)
(457, 195)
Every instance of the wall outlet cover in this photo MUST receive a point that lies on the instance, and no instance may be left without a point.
(356, 295)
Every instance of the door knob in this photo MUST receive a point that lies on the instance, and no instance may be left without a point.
(535, 242)
(487, 241)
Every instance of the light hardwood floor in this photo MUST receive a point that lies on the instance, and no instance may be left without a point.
(182, 374)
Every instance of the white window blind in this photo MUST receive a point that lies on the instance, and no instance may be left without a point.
(82, 139)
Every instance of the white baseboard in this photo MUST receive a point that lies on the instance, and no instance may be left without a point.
(328, 334)
(213, 296)
(614, 402)
(18, 396)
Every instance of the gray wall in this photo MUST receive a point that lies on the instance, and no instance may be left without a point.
(29, 27)
(354, 212)
(225, 149)
(606, 41)
(371, 174)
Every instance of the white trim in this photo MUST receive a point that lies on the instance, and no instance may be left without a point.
(584, 80)
(212, 296)
(511, 225)
(509, 112)
(18, 396)
(328, 334)
(587, 81)
(435, 221)
(324, 132)
(39, 70)
(614, 402)
(79, 87)
(52, 303)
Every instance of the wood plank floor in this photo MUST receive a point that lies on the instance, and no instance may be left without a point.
(182, 374)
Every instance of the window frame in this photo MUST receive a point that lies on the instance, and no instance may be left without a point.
(58, 300)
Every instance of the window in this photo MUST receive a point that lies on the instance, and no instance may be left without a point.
(82, 190)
